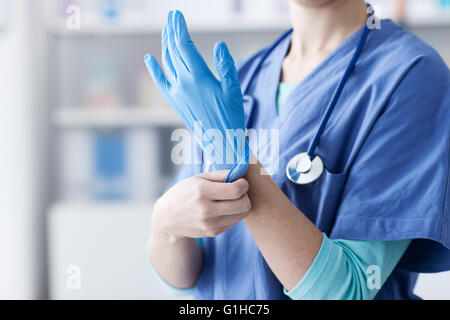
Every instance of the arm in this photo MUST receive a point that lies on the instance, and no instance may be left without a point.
(307, 263)
(201, 206)
(287, 239)
(197, 207)
(178, 263)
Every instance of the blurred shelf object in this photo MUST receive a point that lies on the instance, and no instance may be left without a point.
(425, 22)
(117, 117)
(217, 27)
(430, 13)
(148, 16)
(415, 13)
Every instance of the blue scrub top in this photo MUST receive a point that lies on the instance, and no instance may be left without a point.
(386, 155)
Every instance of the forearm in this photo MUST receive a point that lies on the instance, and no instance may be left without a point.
(179, 261)
(287, 239)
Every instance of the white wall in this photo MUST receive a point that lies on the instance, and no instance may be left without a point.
(20, 272)
(433, 286)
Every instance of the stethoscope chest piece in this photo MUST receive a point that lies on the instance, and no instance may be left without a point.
(301, 170)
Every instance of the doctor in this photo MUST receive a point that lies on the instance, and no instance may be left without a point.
(370, 112)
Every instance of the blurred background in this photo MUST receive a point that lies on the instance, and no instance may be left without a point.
(85, 138)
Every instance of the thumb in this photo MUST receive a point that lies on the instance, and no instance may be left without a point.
(225, 68)
(217, 176)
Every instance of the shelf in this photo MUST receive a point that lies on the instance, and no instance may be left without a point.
(234, 24)
(229, 25)
(115, 117)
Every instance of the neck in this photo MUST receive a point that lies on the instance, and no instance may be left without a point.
(322, 28)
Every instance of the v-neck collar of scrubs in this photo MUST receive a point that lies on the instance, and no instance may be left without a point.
(284, 91)
(274, 68)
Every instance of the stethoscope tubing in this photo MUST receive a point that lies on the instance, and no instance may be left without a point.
(336, 95)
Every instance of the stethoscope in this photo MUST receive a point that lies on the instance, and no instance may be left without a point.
(307, 167)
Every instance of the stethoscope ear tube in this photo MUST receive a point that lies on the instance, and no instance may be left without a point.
(337, 93)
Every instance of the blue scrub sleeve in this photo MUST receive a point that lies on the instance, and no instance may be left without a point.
(343, 270)
(398, 185)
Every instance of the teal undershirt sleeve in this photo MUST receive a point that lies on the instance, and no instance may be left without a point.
(342, 269)
(348, 270)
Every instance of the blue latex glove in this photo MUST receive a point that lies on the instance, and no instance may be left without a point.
(196, 95)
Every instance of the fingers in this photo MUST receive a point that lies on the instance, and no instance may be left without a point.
(179, 53)
(233, 207)
(157, 74)
(217, 190)
(218, 176)
(166, 59)
(175, 55)
(214, 226)
(189, 53)
(226, 68)
(218, 231)
(231, 220)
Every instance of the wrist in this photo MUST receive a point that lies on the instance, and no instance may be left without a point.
(240, 167)
(161, 224)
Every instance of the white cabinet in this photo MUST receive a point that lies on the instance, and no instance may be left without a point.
(101, 248)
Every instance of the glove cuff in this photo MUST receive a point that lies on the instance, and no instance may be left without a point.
(240, 168)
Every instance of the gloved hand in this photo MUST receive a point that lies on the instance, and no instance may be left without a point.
(211, 109)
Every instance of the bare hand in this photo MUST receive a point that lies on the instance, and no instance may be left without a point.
(202, 206)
